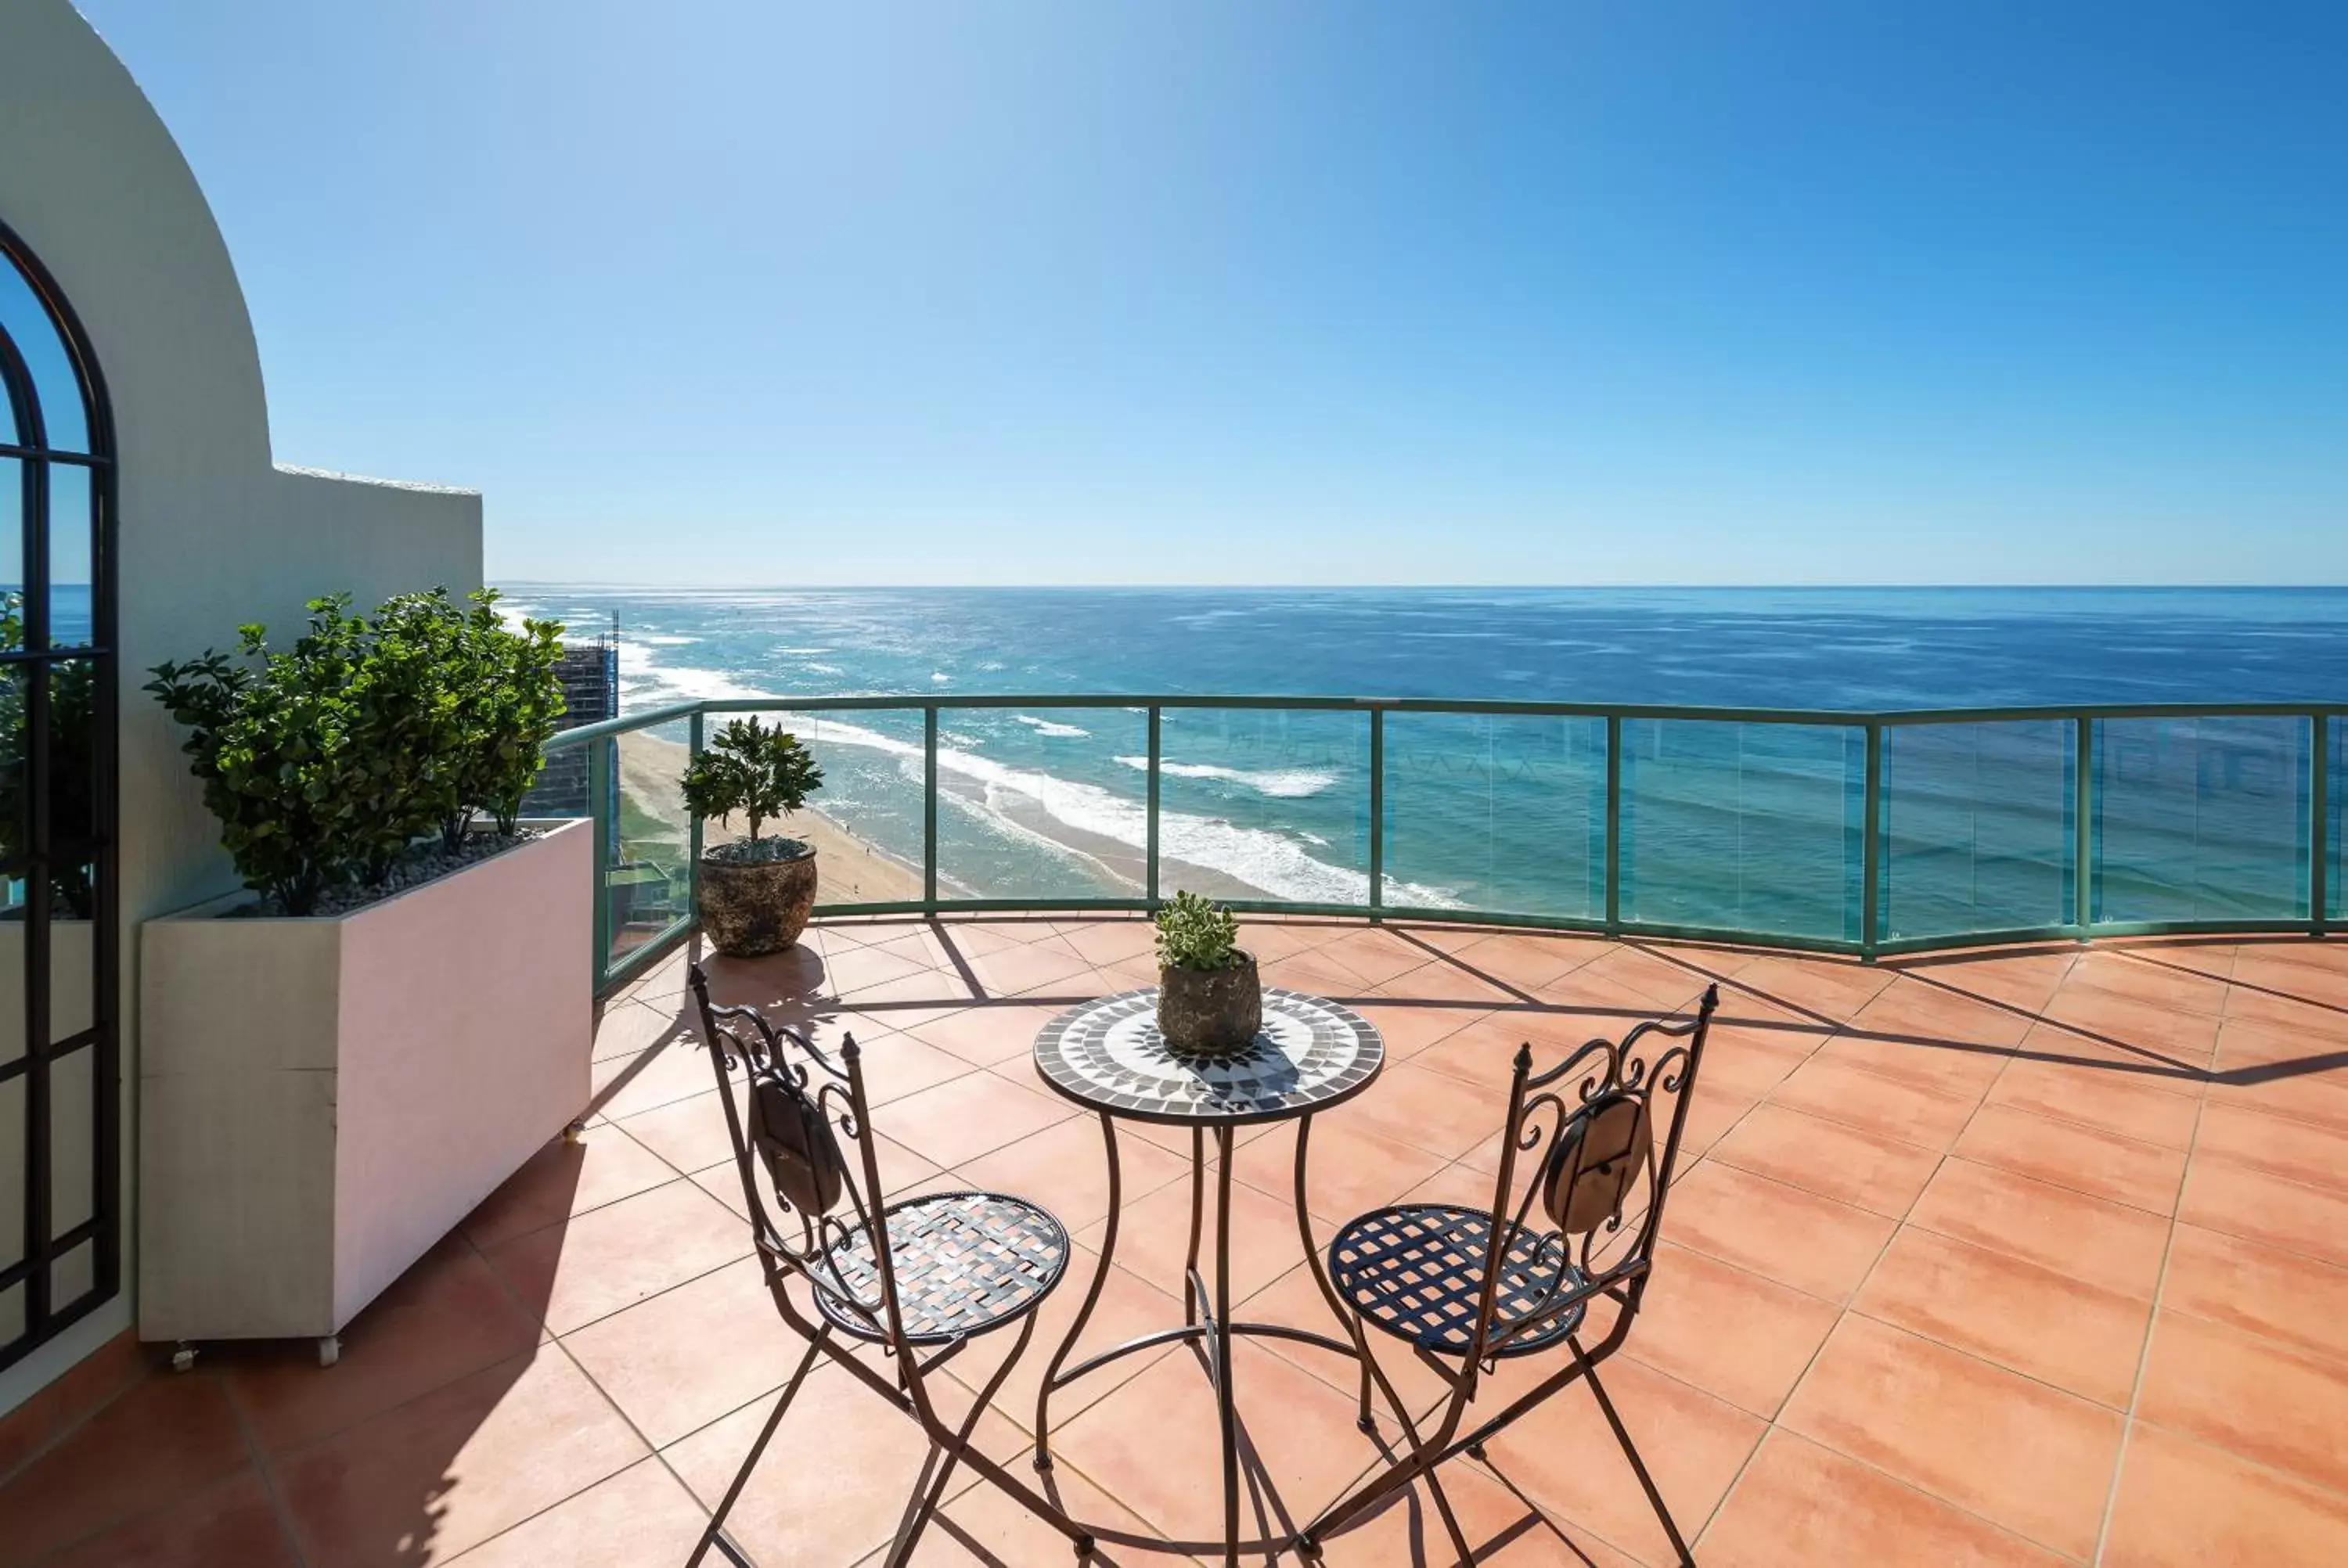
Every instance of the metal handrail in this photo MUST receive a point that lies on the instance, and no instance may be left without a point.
(2083, 873)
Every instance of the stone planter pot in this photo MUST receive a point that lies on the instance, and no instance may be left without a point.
(753, 907)
(322, 1098)
(1209, 1013)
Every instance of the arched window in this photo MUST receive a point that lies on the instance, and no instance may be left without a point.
(60, 1120)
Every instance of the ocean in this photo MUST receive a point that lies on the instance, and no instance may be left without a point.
(1737, 826)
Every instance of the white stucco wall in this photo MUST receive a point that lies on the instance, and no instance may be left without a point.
(211, 533)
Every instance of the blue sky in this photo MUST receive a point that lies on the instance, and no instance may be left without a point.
(1611, 291)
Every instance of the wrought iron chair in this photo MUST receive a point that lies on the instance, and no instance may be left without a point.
(954, 1267)
(1466, 1289)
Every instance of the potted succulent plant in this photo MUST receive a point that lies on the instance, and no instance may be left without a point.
(755, 893)
(1210, 1001)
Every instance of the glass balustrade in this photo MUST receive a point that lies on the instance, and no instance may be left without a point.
(1722, 824)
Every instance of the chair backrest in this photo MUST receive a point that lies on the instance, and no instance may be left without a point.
(814, 1207)
(1589, 1126)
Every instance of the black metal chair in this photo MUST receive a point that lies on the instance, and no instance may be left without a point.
(955, 1266)
(1466, 1289)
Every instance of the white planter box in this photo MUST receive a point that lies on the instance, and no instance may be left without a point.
(321, 1099)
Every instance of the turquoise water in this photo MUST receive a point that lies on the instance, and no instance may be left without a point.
(1735, 826)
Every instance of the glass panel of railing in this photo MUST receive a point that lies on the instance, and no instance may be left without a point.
(2335, 808)
(648, 870)
(2201, 819)
(1042, 803)
(866, 821)
(1976, 827)
(1502, 814)
(1745, 827)
(1265, 804)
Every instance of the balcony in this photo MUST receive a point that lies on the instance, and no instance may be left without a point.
(2032, 1254)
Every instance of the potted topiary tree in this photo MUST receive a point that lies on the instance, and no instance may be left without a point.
(755, 893)
(1210, 1002)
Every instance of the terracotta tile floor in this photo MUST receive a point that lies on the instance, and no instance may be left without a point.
(2024, 1257)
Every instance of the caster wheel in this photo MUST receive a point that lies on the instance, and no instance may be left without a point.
(1042, 1463)
(1307, 1549)
(1367, 1426)
(1084, 1548)
(330, 1350)
(1475, 1451)
(574, 1134)
(183, 1358)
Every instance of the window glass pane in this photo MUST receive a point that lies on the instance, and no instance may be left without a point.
(69, 574)
(73, 780)
(1976, 827)
(13, 1138)
(73, 1127)
(2201, 819)
(1498, 813)
(1050, 803)
(73, 955)
(26, 322)
(1742, 827)
(73, 1276)
(11, 553)
(1264, 804)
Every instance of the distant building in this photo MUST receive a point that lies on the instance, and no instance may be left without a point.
(591, 689)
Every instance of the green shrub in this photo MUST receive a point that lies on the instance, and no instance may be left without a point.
(759, 771)
(326, 762)
(1196, 933)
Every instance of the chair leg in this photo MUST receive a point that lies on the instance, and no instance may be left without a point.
(1631, 1451)
(716, 1534)
(928, 1489)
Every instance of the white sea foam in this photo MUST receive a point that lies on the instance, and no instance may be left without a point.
(815, 669)
(1046, 726)
(1281, 783)
(665, 638)
(645, 682)
(1256, 856)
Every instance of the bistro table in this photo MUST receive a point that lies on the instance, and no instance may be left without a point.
(1108, 1057)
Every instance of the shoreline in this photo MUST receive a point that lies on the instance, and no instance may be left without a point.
(856, 870)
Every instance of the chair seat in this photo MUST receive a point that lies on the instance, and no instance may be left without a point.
(964, 1263)
(1416, 1269)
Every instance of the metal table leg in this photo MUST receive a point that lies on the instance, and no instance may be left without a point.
(1207, 1319)
(1051, 1378)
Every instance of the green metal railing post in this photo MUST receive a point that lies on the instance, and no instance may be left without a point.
(1613, 824)
(1150, 877)
(1871, 840)
(2083, 832)
(599, 757)
(2319, 826)
(693, 743)
(1377, 811)
(930, 811)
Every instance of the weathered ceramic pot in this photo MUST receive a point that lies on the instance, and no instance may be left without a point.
(752, 905)
(1209, 1013)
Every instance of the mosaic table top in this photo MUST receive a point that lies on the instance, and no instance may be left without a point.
(1309, 1055)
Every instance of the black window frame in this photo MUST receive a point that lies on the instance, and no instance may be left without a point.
(45, 1318)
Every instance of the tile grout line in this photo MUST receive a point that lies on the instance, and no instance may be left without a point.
(267, 1474)
(2151, 1328)
(1845, 1308)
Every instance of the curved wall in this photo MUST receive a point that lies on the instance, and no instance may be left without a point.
(211, 533)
